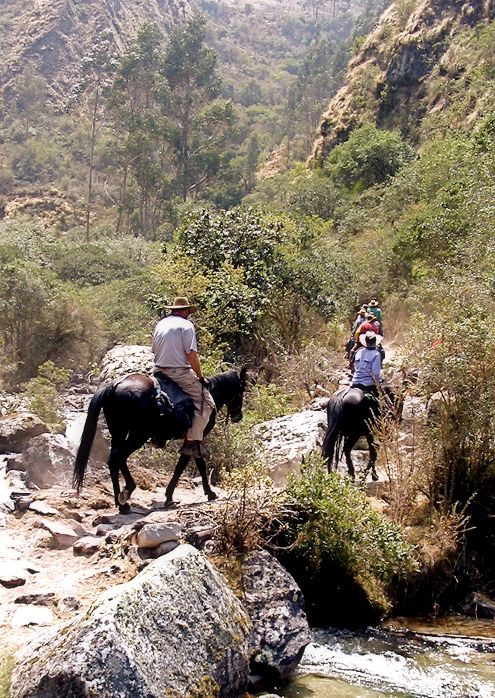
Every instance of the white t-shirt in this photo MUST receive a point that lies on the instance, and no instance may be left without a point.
(174, 337)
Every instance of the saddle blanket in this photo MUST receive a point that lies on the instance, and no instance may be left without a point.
(176, 408)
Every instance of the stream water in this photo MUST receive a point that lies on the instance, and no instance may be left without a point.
(426, 661)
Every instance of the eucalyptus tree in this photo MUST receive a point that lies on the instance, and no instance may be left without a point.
(137, 107)
(200, 124)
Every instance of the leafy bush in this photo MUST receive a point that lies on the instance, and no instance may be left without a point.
(41, 319)
(369, 156)
(459, 444)
(338, 533)
(43, 394)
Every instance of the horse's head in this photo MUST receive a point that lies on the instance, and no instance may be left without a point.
(228, 389)
(234, 405)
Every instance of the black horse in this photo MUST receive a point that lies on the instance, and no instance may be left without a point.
(351, 414)
(132, 416)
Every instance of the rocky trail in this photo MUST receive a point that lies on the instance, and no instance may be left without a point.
(60, 550)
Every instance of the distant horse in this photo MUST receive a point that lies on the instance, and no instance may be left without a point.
(351, 414)
(132, 416)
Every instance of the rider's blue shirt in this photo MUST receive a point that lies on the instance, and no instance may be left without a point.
(367, 365)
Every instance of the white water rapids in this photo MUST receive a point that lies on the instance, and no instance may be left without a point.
(380, 662)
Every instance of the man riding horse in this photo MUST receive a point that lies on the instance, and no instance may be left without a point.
(353, 412)
(176, 356)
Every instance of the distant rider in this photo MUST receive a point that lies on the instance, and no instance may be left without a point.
(374, 309)
(367, 363)
(176, 356)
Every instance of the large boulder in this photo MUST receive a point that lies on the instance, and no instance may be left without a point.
(17, 429)
(124, 359)
(276, 607)
(287, 440)
(48, 460)
(176, 629)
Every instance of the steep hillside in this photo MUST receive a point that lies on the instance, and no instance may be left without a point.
(50, 37)
(417, 62)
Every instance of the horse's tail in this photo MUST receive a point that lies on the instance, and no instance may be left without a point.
(332, 443)
(88, 436)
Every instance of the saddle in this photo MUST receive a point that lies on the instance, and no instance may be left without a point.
(175, 408)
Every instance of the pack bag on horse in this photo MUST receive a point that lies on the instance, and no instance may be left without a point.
(135, 411)
(353, 412)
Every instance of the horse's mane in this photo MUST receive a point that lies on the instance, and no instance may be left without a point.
(225, 380)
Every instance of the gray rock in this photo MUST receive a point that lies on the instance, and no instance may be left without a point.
(43, 508)
(17, 429)
(68, 603)
(165, 548)
(48, 461)
(12, 575)
(287, 440)
(63, 535)
(32, 615)
(153, 534)
(39, 599)
(124, 359)
(88, 545)
(103, 529)
(276, 607)
(479, 606)
(176, 629)
(100, 447)
(414, 411)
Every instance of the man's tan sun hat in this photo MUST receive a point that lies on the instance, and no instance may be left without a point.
(370, 339)
(373, 303)
(181, 303)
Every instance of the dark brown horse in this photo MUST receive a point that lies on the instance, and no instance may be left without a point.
(351, 414)
(132, 416)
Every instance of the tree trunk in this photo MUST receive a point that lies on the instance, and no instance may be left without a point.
(91, 160)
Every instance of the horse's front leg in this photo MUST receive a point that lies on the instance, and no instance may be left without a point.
(373, 457)
(201, 465)
(179, 469)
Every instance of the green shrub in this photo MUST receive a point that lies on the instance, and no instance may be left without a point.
(337, 529)
(43, 394)
(369, 156)
(41, 318)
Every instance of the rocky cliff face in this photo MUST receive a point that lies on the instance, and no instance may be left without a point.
(51, 37)
(401, 73)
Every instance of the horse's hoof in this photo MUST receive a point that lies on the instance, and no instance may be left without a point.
(124, 496)
(374, 476)
(125, 509)
(212, 496)
(169, 504)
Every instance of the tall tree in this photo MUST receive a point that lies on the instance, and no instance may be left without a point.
(136, 106)
(199, 124)
(97, 66)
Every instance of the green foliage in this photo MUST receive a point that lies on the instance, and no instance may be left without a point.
(40, 318)
(368, 157)
(460, 440)
(337, 526)
(43, 394)
(263, 402)
(92, 264)
(253, 275)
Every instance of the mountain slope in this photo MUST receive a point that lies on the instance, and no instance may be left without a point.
(406, 69)
(51, 37)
